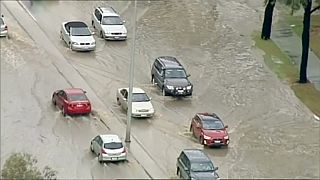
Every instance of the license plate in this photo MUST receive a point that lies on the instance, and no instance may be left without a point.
(180, 91)
(143, 115)
(79, 105)
(216, 141)
(114, 158)
(116, 37)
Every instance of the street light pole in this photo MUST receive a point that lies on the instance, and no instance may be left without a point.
(131, 75)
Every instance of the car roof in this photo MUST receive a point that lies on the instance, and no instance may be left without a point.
(74, 91)
(169, 62)
(108, 11)
(107, 138)
(209, 116)
(135, 90)
(74, 24)
(196, 155)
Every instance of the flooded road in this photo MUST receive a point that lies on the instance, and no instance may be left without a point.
(273, 135)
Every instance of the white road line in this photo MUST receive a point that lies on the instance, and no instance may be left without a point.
(26, 9)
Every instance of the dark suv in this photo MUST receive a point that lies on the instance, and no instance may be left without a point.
(194, 164)
(171, 77)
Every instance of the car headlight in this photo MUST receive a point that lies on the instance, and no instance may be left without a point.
(226, 137)
(75, 43)
(206, 137)
(170, 87)
(93, 43)
(189, 87)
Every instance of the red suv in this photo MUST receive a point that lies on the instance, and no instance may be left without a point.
(209, 129)
(72, 101)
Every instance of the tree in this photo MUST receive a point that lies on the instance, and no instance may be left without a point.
(23, 166)
(307, 4)
(267, 21)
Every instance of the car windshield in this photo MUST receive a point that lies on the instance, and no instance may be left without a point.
(111, 20)
(113, 145)
(77, 97)
(175, 73)
(140, 97)
(212, 125)
(80, 31)
(202, 167)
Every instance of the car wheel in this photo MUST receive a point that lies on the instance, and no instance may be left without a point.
(118, 101)
(63, 112)
(93, 24)
(100, 159)
(201, 140)
(152, 80)
(70, 46)
(101, 35)
(91, 147)
(163, 92)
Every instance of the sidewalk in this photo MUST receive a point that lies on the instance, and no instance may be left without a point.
(290, 44)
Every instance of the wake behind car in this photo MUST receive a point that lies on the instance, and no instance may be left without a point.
(108, 24)
(141, 103)
(78, 36)
(3, 27)
(108, 147)
(72, 101)
(171, 77)
(194, 164)
(209, 129)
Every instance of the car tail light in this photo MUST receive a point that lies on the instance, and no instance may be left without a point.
(103, 151)
(87, 104)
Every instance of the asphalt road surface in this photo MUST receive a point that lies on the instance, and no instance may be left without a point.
(273, 135)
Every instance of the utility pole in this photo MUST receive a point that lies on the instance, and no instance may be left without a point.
(131, 75)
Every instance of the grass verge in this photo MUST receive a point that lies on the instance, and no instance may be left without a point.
(297, 21)
(282, 65)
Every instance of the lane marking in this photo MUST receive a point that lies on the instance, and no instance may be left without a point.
(26, 9)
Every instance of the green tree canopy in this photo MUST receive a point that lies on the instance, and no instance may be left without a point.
(23, 166)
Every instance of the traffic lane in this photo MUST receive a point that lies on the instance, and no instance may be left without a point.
(29, 117)
(230, 102)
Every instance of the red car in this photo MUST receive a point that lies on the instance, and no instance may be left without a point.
(72, 101)
(209, 129)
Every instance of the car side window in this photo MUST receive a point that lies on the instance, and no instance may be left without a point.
(60, 93)
(64, 95)
(125, 94)
(185, 161)
(99, 141)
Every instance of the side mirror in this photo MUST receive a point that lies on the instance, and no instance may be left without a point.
(188, 75)
(123, 21)
(2, 15)
(150, 98)
(226, 126)
(186, 169)
(92, 33)
(85, 91)
(215, 168)
(125, 99)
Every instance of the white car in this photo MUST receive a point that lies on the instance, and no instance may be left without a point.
(109, 24)
(3, 28)
(141, 103)
(108, 147)
(78, 36)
